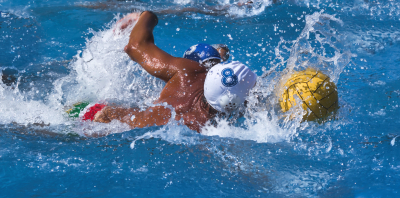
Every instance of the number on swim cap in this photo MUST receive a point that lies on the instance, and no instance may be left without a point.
(229, 79)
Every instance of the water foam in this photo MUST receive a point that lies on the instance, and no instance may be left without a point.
(15, 108)
(103, 71)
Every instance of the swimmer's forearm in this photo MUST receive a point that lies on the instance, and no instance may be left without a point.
(110, 113)
(153, 116)
(141, 36)
(141, 49)
(143, 30)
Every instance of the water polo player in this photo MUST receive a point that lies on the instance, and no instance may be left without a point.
(195, 94)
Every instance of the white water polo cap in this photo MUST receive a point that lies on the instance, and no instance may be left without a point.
(227, 85)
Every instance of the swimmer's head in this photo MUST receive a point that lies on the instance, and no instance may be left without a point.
(204, 54)
(227, 85)
(223, 51)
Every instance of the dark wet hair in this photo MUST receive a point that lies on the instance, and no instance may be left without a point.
(223, 46)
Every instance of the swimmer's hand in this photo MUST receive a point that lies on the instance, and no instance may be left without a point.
(102, 116)
(124, 115)
(127, 20)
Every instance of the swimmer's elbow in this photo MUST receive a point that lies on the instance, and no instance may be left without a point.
(132, 48)
(126, 49)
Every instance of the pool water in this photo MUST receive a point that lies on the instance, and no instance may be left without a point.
(57, 53)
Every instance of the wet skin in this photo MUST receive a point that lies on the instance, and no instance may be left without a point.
(184, 89)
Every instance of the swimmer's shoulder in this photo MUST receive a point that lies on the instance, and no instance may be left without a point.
(186, 66)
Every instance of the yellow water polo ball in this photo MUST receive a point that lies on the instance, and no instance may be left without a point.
(317, 92)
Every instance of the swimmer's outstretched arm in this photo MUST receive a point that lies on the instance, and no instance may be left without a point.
(152, 116)
(141, 49)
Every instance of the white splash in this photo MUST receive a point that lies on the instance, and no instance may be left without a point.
(14, 107)
(103, 71)
(392, 142)
(173, 132)
(182, 2)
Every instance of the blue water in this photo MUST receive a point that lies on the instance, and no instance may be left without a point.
(63, 52)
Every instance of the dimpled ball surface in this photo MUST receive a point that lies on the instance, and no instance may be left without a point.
(317, 92)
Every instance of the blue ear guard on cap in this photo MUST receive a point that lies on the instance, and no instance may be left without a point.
(201, 52)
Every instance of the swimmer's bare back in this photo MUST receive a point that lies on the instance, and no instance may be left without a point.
(184, 89)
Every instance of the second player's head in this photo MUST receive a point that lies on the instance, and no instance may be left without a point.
(204, 54)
